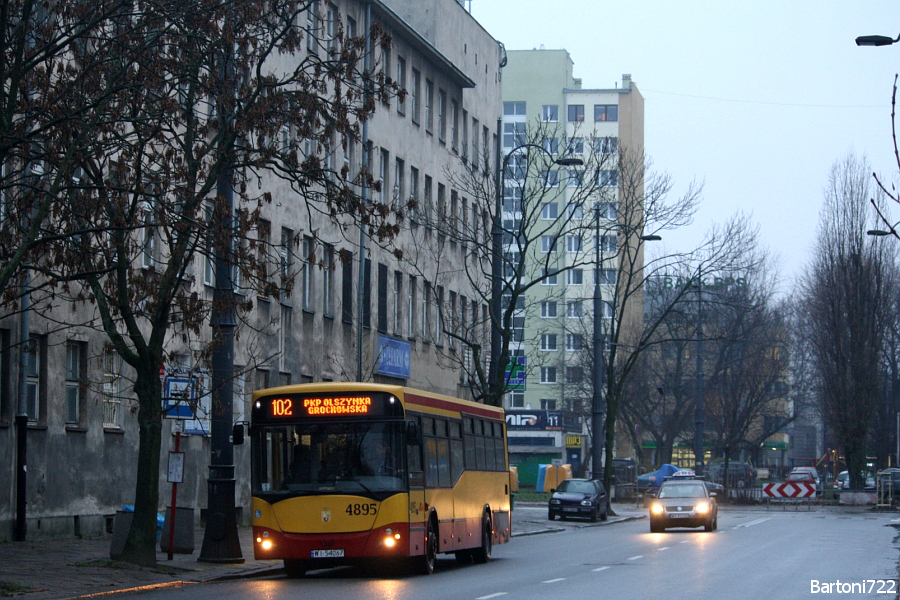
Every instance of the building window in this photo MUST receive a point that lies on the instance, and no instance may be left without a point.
(465, 135)
(513, 109)
(548, 243)
(284, 251)
(399, 196)
(574, 309)
(367, 293)
(575, 276)
(331, 17)
(346, 286)
(429, 104)
(550, 211)
(454, 125)
(411, 308)
(574, 374)
(551, 145)
(576, 113)
(75, 372)
(515, 400)
(574, 341)
(606, 145)
(548, 342)
(608, 210)
(575, 145)
(513, 135)
(608, 276)
(548, 404)
(548, 309)
(401, 82)
(414, 95)
(576, 211)
(442, 115)
(312, 27)
(382, 317)
(607, 178)
(573, 243)
(550, 113)
(551, 178)
(474, 144)
(328, 281)
(33, 378)
(607, 243)
(306, 274)
(284, 333)
(426, 311)
(606, 310)
(548, 374)
(438, 318)
(414, 193)
(606, 112)
(398, 303)
(549, 277)
(383, 177)
(112, 389)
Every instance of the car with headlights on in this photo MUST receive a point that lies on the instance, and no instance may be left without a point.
(684, 502)
(579, 498)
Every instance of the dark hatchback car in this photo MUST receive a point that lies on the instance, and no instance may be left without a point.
(579, 498)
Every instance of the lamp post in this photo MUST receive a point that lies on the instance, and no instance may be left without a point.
(598, 406)
(699, 409)
(495, 386)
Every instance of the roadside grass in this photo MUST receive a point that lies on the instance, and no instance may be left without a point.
(9, 588)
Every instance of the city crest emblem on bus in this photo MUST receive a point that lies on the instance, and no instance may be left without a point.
(326, 515)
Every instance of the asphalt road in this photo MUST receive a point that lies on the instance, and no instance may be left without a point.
(754, 554)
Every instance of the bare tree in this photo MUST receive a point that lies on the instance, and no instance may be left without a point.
(848, 291)
(221, 98)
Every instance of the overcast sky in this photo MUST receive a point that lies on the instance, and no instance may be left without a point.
(755, 99)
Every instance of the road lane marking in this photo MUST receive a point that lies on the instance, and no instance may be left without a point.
(601, 569)
(663, 548)
(685, 542)
(752, 523)
(554, 580)
(636, 557)
(488, 597)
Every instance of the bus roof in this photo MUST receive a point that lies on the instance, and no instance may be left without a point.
(411, 397)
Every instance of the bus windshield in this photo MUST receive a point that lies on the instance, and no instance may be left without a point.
(365, 458)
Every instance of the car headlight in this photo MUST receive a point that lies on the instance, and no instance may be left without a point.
(656, 509)
(702, 508)
(554, 501)
(585, 502)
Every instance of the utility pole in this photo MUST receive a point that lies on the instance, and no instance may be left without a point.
(22, 410)
(699, 410)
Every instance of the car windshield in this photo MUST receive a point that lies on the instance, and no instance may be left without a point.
(682, 491)
(794, 476)
(576, 487)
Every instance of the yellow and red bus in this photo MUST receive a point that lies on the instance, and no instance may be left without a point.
(357, 472)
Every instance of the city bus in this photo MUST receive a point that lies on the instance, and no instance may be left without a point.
(370, 473)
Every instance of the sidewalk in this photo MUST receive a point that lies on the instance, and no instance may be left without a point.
(72, 568)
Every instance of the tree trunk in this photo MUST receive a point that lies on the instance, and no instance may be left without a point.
(140, 546)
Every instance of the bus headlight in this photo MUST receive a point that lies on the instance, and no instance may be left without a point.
(263, 540)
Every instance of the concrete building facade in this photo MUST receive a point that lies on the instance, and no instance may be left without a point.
(83, 433)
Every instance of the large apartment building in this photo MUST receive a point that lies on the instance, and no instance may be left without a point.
(358, 311)
(550, 405)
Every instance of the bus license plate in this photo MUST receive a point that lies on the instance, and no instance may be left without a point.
(328, 553)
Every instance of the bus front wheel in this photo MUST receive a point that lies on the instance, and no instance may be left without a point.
(483, 554)
(425, 564)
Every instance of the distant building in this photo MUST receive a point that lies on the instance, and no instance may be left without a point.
(539, 87)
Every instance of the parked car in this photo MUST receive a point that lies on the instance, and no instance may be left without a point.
(812, 471)
(740, 474)
(684, 502)
(843, 481)
(650, 482)
(579, 498)
(893, 475)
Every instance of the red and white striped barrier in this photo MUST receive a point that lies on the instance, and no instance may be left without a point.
(790, 489)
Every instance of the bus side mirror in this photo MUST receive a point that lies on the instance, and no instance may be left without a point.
(413, 434)
(237, 434)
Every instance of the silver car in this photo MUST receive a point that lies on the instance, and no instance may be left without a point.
(684, 503)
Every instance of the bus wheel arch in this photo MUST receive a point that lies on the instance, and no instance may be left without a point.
(424, 564)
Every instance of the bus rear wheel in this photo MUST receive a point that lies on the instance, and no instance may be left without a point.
(483, 554)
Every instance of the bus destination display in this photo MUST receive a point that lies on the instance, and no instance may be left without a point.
(321, 405)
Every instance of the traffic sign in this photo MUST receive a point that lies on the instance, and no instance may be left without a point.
(790, 489)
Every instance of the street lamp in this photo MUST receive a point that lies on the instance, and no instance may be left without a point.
(495, 387)
(878, 232)
(598, 409)
(876, 40)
